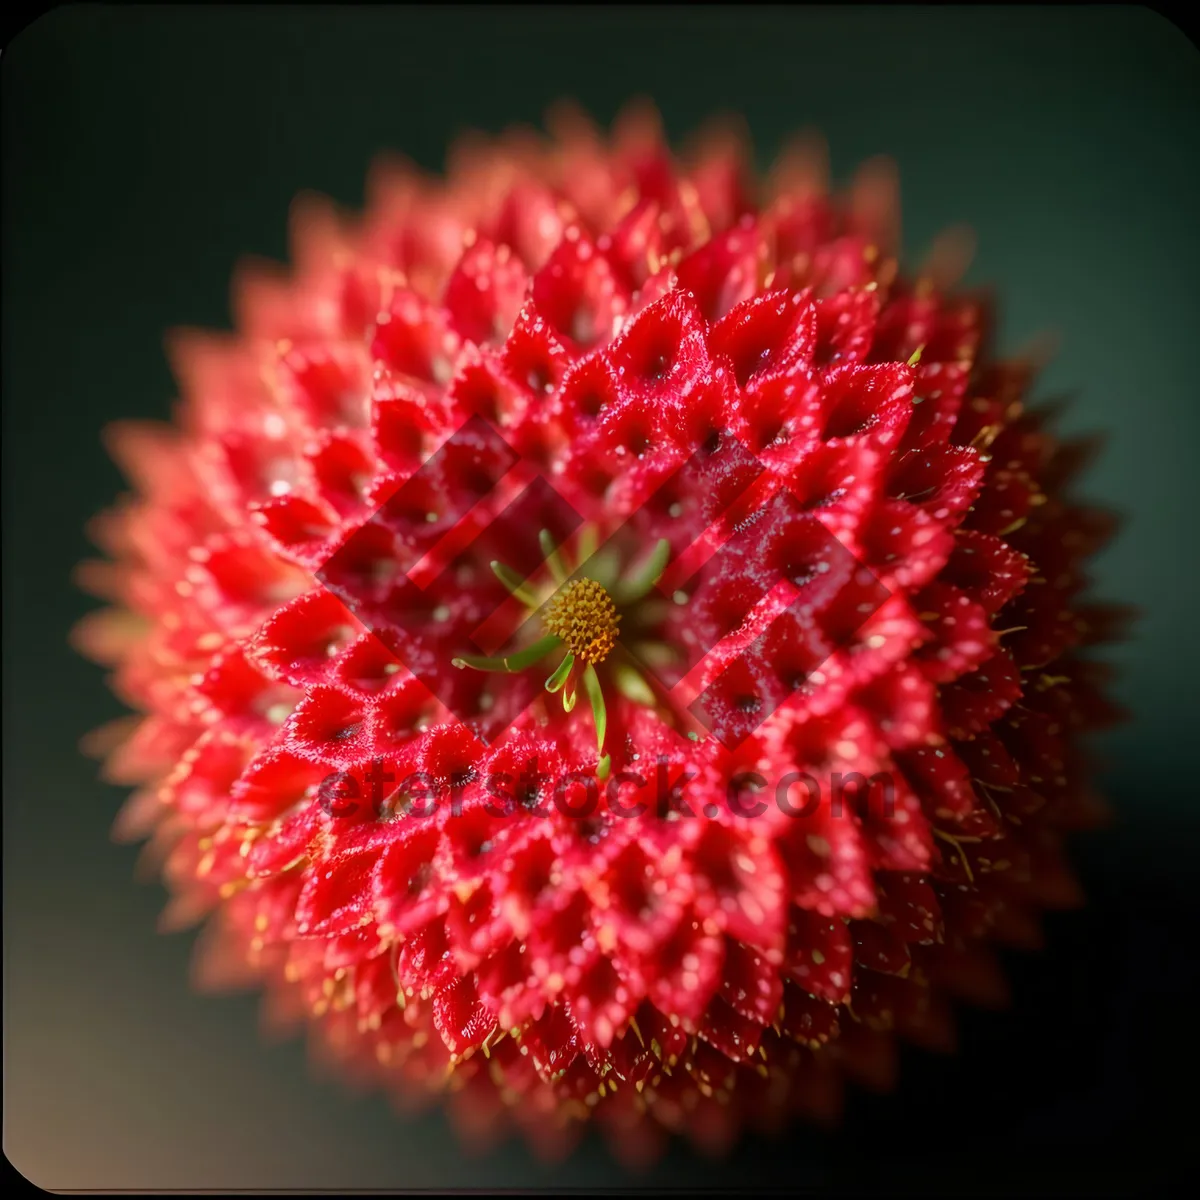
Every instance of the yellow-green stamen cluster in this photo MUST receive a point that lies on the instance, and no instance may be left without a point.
(584, 616)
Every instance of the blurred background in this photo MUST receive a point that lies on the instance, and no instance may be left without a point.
(146, 149)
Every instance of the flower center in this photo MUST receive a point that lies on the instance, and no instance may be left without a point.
(585, 617)
(580, 619)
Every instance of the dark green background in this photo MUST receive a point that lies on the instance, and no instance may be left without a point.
(146, 149)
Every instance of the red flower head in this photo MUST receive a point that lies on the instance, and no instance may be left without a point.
(607, 639)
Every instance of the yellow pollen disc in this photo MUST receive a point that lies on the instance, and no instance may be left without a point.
(586, 619)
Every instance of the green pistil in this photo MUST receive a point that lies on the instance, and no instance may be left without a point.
(632, 685)
(514, 662)
(640, 583)
(558, 568)
(556, 681)
(591, 685)
(515, 584)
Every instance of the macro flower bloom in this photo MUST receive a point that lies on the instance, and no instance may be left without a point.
(517, 592)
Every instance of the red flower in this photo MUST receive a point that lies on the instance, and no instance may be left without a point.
(518, 593)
